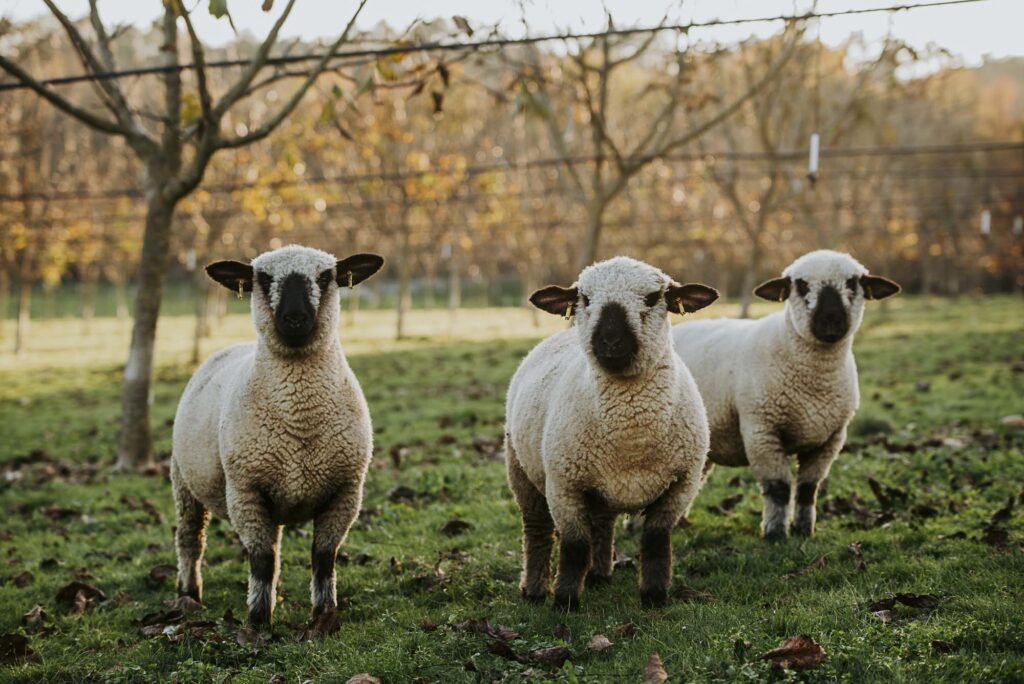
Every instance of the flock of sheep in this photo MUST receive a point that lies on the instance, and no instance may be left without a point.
(620, 413)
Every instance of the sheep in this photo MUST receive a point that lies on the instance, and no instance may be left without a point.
(275, 432)
(604, 418)
(785, 384)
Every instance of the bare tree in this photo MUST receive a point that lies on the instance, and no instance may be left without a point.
(170, 173)
(593, 74)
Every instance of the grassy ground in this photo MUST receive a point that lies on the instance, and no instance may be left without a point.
(937, 380)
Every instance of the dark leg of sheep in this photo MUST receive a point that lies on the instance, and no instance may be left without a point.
(330, 528)
(189, 538)
(538, 532)
(573, 564)
(812, 470)
(656, 540)
(770, 464)
(250, 516)
(602, 536)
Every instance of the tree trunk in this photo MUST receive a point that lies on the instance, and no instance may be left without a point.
(24, 303)
(595, 225)
(750, 280)
(404, 278)
(121, 298)
(136, 445)
(5, 299)
(89, 279)
(201, 304)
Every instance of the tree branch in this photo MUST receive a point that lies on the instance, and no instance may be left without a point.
(287, 108)
(86, 117)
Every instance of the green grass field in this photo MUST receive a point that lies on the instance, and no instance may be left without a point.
(937, 378)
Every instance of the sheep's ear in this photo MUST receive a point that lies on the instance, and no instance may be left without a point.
(361, 266)
(689, 298)
(231, 273)
(554, 299)
(877, 287)
(774, 290)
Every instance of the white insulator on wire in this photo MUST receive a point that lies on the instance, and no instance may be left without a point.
(986, 222)
(812, 161)
(1018, 225)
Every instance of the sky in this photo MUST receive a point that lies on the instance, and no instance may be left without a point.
(990, 28)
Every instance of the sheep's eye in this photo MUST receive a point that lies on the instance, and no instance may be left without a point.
(264, 280)
(801, 287)
(852, 285)
(584, 300)
(653, 298)
(324, 279)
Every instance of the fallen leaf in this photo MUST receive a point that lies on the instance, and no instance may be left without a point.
(23, 579)
(401, 494)
(158, 574)
(940, 646)
(628, 629)
(455, 527)
(428, 625)
(362, 558)
(1016, 421)
(995, 536)
(621, 560)
(685, 593)
(78, 595)
(885, 616)
(796, 652)
(14, 648)
(363, 678)
(326, 623)
(185, 604)
(726, 505)
(817, 564)
(598, 642)
(34, 616)
(918, 600)
(654, 671)
(503, 650)
(554, 656)
(248, 637)
(563, 632)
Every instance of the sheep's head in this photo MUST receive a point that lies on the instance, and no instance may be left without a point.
(295, 293)
(824, 293)
(619, 308)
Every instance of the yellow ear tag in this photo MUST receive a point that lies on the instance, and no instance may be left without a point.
(350, 280)
(569, 312)
(679, 303)
(240, 290)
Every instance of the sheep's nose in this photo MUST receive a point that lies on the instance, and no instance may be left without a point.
(296, 319)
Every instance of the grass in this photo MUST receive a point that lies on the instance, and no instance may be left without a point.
(937, 378)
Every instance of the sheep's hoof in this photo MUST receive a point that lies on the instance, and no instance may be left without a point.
(259, 618)
(191, 592)
(654, 597)
(801, 530)
(598, 580)
(775, 535)
(569, 602)
(534, 596)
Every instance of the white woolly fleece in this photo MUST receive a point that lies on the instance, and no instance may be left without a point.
(574, 428)
(264, 438)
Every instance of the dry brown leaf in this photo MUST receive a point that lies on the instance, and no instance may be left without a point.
(14, 648)
(555, 656)
(796, 652)
(363, 678)
(654, 671)
(599, 642)
(563, 632)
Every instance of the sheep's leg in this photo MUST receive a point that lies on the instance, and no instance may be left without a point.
(189, 538)
(656, 541)
(569, 511)
(812, 470)
(771, 468)
(330, 528)
(705, 473)
(602, 535)
(250, 516)
(538, 533)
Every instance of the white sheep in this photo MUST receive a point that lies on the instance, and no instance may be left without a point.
(601, 419)
(275, 432)
(786, 384)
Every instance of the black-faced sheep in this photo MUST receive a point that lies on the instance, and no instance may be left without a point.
(786, 384)
(601, 419)
(275, 432)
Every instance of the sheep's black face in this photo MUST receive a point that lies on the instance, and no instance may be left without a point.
(295, 316)
(614, 343)
(829, 322)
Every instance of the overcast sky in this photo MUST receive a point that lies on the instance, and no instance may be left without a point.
(992, 27)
